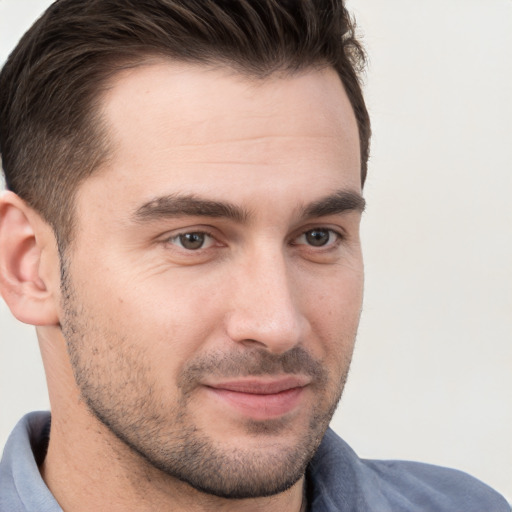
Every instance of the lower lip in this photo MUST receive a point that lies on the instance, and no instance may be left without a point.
(261, 407)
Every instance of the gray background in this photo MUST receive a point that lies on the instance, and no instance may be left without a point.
(432, 374)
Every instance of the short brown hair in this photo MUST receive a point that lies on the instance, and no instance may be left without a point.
(51, 137)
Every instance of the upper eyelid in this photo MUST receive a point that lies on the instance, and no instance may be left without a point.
(339, 231)
(174, 233)
(189, 232)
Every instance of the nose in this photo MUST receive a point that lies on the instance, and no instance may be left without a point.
(265, 309)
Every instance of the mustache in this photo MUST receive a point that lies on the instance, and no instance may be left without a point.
(252, 362)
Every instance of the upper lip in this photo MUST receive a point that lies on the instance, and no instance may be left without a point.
(262, 386)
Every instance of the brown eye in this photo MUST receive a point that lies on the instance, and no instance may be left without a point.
(317, 237)
(192, 241)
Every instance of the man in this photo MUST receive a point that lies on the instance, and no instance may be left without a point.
(182, 226)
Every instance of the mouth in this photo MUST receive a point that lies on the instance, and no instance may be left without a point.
(260, 399)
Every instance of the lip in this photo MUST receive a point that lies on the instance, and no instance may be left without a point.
(260, 399)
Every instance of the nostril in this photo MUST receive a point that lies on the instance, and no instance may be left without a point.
(250, 343)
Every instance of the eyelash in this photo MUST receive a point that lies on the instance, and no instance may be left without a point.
(338, 237)
(178, 237)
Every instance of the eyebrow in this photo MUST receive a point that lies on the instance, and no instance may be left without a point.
(339, 202)
(178, 205)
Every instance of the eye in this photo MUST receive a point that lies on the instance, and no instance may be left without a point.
(318, 237)
(192, 241)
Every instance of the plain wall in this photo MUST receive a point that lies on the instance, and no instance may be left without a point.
(432, 372)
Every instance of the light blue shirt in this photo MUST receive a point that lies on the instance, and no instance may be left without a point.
(337, 480)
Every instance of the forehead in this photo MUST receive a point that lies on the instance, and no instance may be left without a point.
(198, 93)
(192, 129)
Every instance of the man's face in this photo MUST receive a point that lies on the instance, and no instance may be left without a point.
(212, 293)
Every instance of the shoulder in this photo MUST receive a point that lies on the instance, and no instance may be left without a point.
(21, 485)
(339, 479)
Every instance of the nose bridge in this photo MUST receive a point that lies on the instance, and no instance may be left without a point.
(265, 309)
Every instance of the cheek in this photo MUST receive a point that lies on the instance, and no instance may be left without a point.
(334, 312)
(169, 319)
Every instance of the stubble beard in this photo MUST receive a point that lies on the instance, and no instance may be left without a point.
(166, 437)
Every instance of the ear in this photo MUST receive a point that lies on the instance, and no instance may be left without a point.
(28, 287)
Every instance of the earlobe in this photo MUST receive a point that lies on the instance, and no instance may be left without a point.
(24, 237)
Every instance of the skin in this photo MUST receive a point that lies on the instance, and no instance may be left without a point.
(199, 342)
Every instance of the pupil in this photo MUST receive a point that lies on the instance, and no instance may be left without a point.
(317, 237)
(192, 240)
